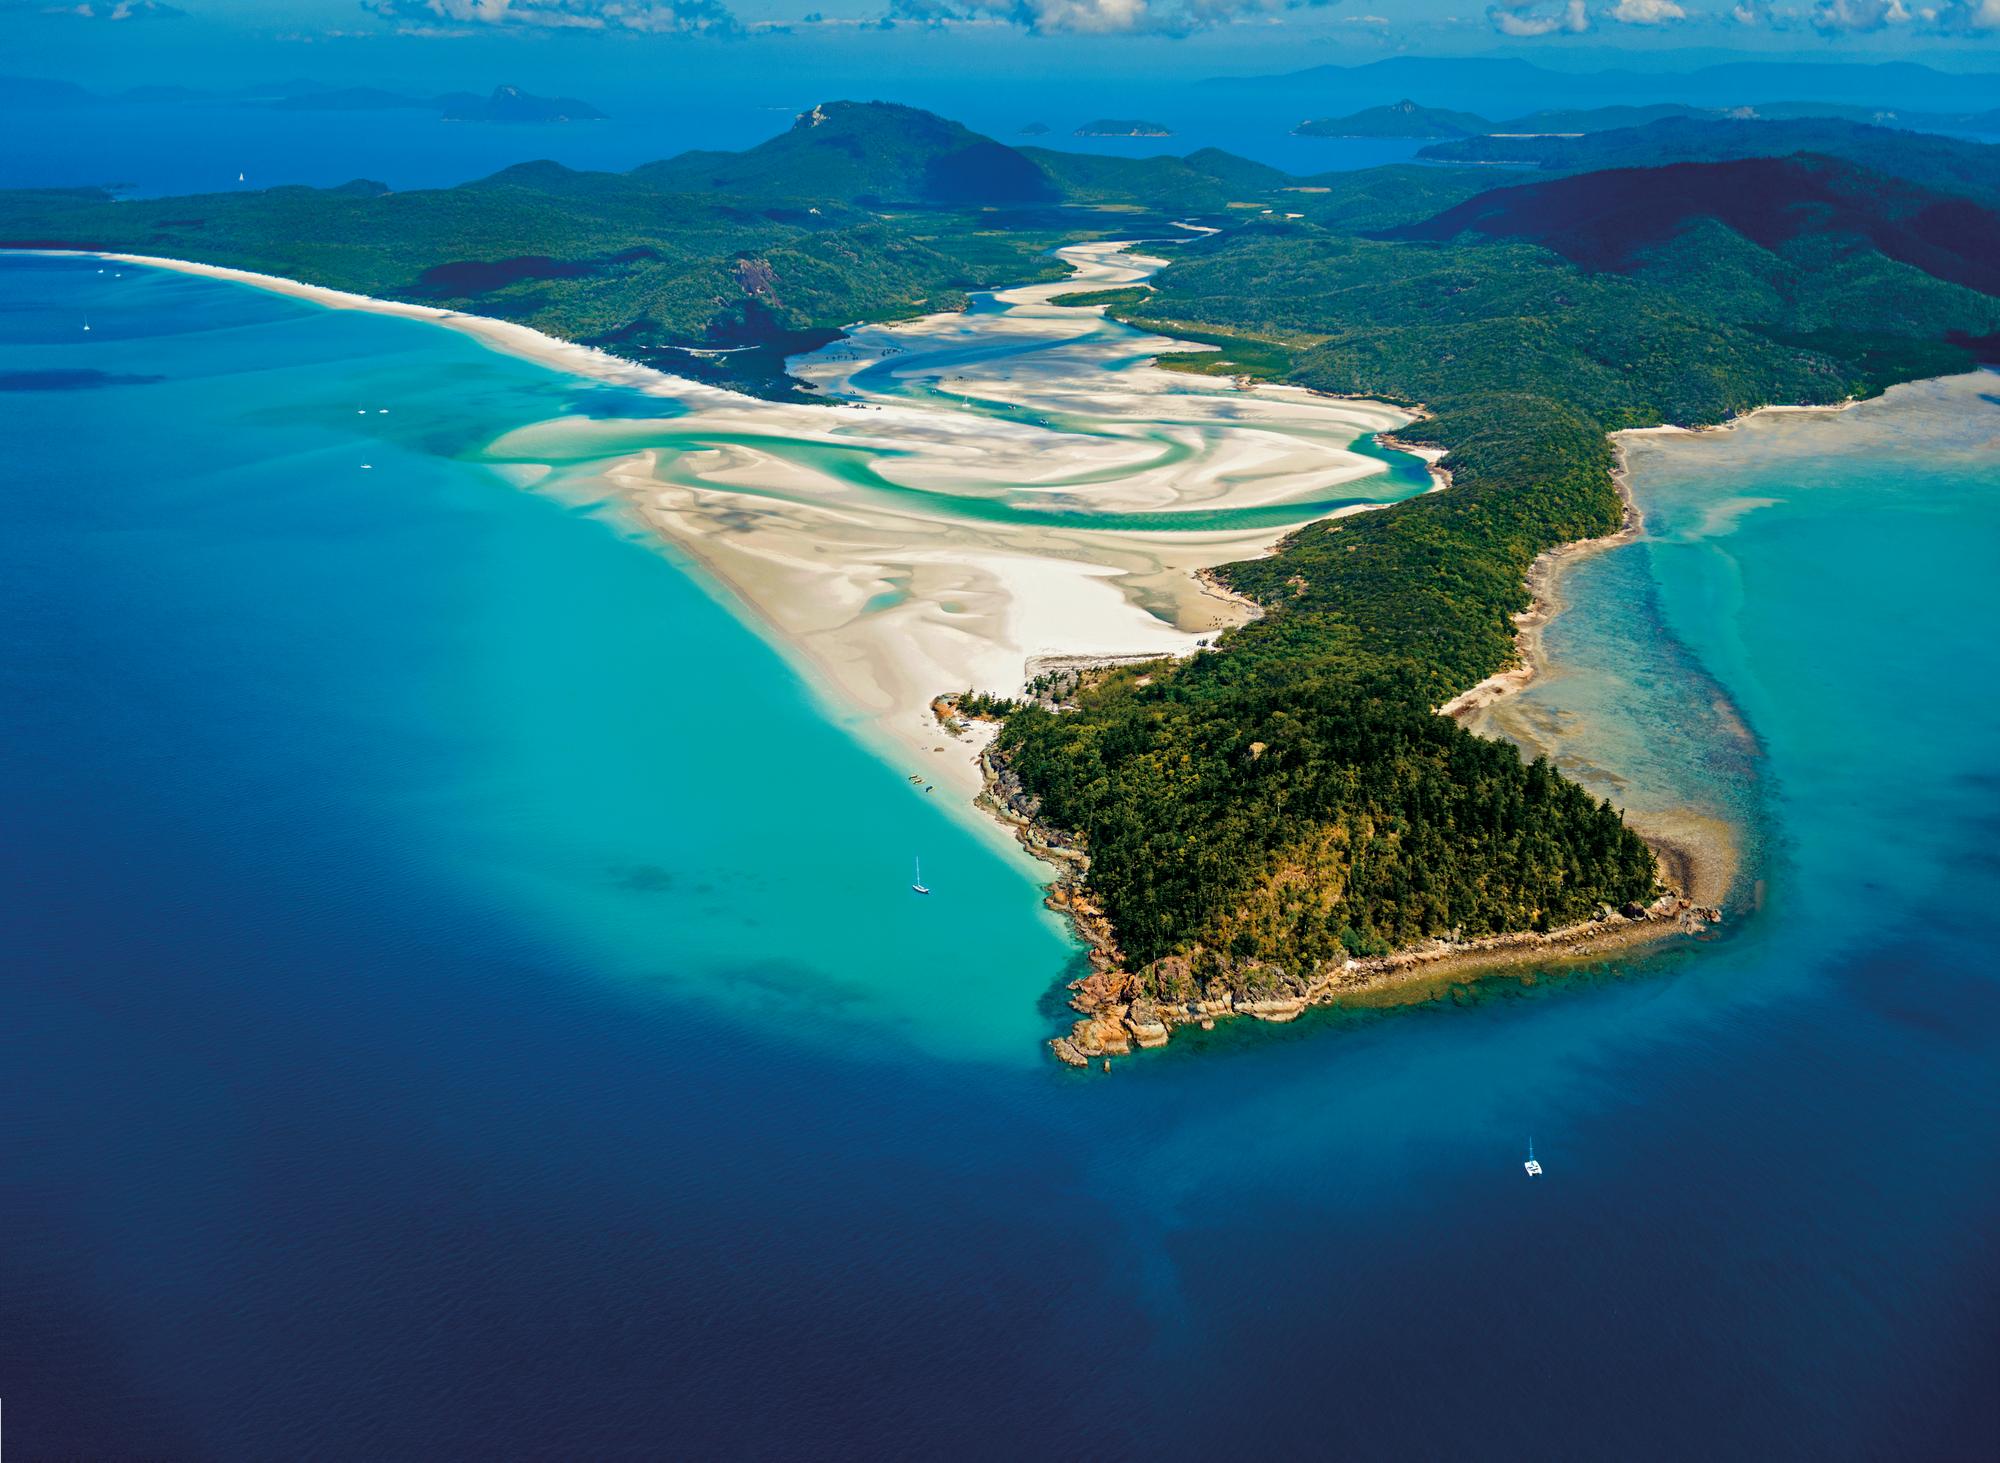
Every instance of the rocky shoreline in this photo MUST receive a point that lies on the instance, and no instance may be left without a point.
(1115, 1017)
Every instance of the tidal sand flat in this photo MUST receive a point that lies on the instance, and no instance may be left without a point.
(1011, 483)
(1612, 691)
(1015, 482)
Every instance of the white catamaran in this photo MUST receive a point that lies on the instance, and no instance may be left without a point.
(1534, 1169)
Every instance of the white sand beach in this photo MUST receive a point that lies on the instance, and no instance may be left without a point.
(998, 485)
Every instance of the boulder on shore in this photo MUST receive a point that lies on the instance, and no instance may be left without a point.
(1067, 1053)
(1142, 1018)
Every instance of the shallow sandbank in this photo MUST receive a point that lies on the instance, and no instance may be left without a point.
(947, 524)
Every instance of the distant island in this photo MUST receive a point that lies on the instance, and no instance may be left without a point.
(511, 104)
(1035, 129)
(502, 104)
(1901, 87)
(1939, 161)
(1122, 127)
(1408, 119)
(1399, 119)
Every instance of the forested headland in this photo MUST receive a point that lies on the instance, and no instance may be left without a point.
(1288, 798)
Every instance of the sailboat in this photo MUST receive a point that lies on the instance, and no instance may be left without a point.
(1534, 1169)
(86, 326)
(920, 886)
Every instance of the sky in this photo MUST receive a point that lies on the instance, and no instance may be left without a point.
(695, 43)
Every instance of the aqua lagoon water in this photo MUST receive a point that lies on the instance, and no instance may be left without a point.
(463, 997)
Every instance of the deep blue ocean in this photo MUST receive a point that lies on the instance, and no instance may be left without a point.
(463, 997)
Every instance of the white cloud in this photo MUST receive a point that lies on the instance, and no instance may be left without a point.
(661, 17)
(1098, 17)
(1647, 12)
(1524, 20)
(1862, 17)
(94, 9)
(1834, 17)
(1959, 16)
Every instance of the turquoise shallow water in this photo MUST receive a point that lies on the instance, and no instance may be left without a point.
(466, 998)
(581, 692)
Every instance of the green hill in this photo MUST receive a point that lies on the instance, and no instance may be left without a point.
(1399, 119)
(1202, 181)
(865, 152)
(1806, 212)
(1949, 164)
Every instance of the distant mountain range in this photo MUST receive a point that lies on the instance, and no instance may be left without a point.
(1496, 87)
(1399, 119)
(1949, 164)
(820, 195)
(503, 104)
(1514, 139)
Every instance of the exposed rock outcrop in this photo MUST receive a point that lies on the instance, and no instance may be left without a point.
(1119, 1010)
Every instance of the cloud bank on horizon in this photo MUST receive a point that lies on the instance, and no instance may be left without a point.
(652, 17)
(1517, 20)
(1039, 17)
(1099, 17)
(94, 9)
(1522, 20)
(1531, 20)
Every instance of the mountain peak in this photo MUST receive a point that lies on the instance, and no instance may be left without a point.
(868, 152)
